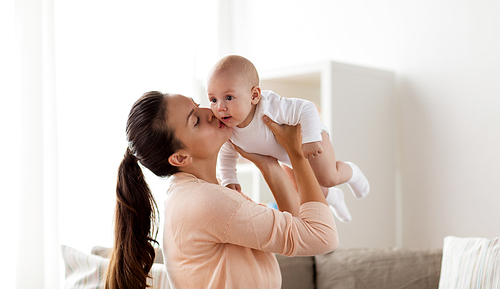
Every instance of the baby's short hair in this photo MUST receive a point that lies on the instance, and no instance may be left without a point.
(241, 65)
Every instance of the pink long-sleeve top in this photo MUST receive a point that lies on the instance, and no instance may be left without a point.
(215, 237)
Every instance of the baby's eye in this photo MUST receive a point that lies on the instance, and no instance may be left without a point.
(213, 100)
(229, 97)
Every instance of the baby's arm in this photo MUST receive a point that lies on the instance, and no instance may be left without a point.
(228, 158)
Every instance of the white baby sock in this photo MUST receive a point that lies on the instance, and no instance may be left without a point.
(358, 183)
(335, 199)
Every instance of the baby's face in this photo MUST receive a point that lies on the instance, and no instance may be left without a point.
(230, 99)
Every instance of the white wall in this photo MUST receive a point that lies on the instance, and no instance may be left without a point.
(446, 56)
(449, 62)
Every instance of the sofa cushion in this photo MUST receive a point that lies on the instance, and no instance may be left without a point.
(470, 263)
(296, 272)
(379, 268)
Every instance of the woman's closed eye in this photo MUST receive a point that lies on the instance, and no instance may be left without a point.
(197, 121)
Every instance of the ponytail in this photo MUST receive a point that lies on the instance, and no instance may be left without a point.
(151, 142)
(135, 228)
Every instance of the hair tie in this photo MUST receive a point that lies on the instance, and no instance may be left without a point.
(130, 154)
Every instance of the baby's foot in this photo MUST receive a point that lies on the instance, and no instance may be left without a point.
(358, 183)
(335, 199)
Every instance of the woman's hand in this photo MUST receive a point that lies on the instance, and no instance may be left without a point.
(259, 160)
(289, 137)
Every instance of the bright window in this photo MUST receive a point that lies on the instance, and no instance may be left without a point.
(108, 53)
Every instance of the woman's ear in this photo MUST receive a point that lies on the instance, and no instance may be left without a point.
(256, 94)
(179, 159)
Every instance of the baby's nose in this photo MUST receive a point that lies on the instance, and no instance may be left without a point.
(221, 107)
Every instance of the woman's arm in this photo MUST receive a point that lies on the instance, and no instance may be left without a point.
(280, 185)
(312, 232)
(290, 138)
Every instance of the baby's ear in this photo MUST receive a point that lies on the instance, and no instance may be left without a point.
(255, 94)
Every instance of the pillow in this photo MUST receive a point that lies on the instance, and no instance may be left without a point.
(470, 263)
(88, 271)
(105, 252)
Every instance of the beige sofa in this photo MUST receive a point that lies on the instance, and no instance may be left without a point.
(464, 262)
(384, 268)
(364, 268)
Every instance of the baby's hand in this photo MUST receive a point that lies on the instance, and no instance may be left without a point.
(235, 187)
(312, 149)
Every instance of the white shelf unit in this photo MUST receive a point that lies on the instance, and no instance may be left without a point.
(357, 104)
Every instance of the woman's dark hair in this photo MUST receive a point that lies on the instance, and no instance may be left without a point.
(151, 142)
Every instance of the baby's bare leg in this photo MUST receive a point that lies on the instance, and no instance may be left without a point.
(327, 169)
(331, 172)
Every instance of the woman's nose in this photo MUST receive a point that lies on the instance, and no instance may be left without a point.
(209, 114)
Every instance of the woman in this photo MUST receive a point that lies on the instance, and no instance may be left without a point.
(214, 237)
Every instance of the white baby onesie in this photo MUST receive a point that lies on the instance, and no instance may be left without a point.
(258, 138)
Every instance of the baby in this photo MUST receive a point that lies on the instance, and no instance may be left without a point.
(238, 101)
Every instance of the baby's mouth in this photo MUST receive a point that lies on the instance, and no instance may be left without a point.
(225, 118)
